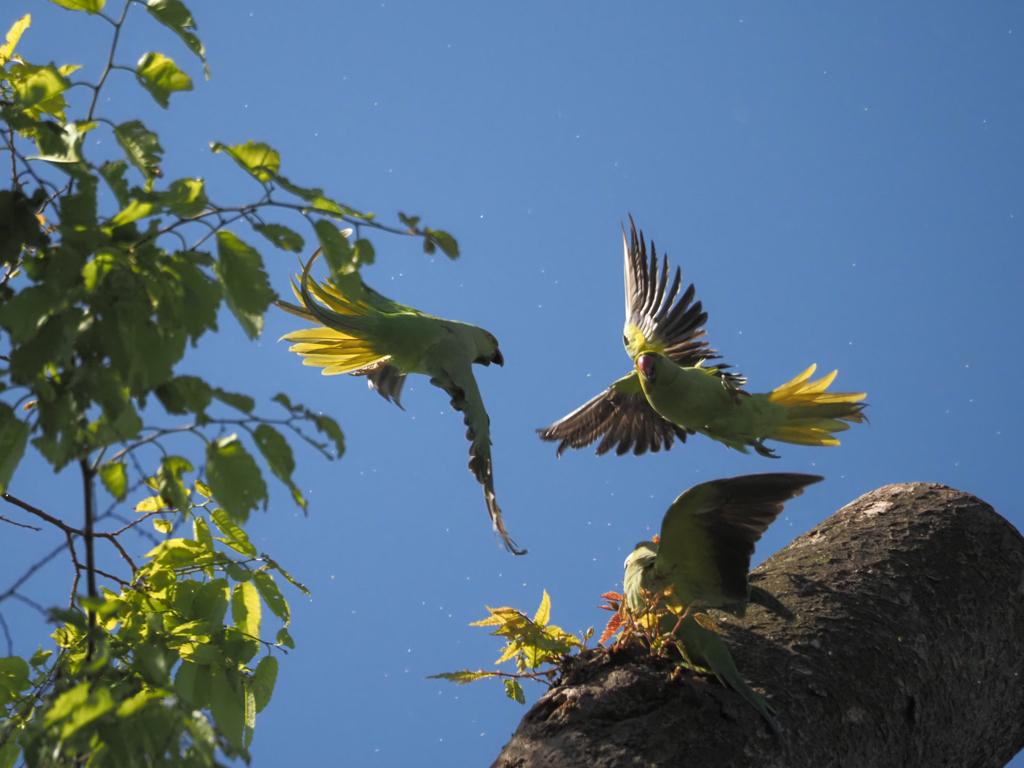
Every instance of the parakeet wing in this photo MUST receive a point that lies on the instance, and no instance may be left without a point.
(709, 532)
(655, 319)
(460, 384)
(621, 416)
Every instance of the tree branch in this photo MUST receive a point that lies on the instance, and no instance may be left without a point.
(905, 652)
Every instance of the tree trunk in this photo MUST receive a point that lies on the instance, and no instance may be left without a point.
(907, 650)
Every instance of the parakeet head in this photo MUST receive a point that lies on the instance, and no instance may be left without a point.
(487, 351)
(647, 366)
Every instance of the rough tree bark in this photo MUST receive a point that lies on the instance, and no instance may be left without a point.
(907, 650)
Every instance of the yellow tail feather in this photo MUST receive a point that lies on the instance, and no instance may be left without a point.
(334, 350)
(814, 414)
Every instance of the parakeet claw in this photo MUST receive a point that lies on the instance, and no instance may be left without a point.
(759, 446)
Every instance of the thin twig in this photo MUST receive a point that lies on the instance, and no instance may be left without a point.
(30, 602)
(155, 436)
(120, 549)
(78, 568)
(12, 591)
(39, 513)
(20, 525)
(110, 60)
(7, 634)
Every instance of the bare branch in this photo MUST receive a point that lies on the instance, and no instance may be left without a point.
(20, 525)
(39, 513)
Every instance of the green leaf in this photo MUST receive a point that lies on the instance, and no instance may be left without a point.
(115, 479)
(246, 287)
(462, 677)
(179, 553)
(162, 525)
(263, 680)
(271, 595)
(141, 147)
(152, 504)
(285, 639)
(364, 253)
(39, 90)
(282, 237)
(234, 478)
(133, 211)
(20, 226)
(298, 585)
(202, 653)
(13, 439)
(161, 77)
(185, 394)
(130, 706)
(448, 245)
(543, 614)
(13, 36)
(186, 198)
(236, 537)
(193, 682)
(211, 602)
(329, 427)
(61, 143)
(113, 174)
(244, 403)
(9, 753)
(14, 675)
(176, 17)
(227, 705)
(514, 691)
(336, 248)
(89, 6)
(83, 710)
(255, 157)
(201, 532)
(245, 608)
(169, 483)
(278, 455)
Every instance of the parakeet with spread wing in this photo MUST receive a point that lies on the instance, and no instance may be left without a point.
(672, 393)
(702, 560)
(360, 332)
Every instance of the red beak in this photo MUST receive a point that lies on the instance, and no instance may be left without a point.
(645, 364)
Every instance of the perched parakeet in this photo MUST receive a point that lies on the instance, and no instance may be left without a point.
(360, 332)
(671, 393)
(702, 560)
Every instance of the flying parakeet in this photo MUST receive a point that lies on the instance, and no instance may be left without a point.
(702, 560)
(360, 332)
(671, 393)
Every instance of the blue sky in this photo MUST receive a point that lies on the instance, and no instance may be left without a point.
(842, 184)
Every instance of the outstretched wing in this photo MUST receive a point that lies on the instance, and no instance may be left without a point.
(657, 318)
(709, 532)
(460, 384)
(622, 417)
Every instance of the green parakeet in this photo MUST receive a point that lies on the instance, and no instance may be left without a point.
(360, 332)
(702, 560)
(671, 393)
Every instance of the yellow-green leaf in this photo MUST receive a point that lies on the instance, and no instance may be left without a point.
(515, 691)
(263, 680)
(245, 608)
(544, 611)
(89, 6)
(163, 526)
(152, 504)
(255, 157)
(271, 595)
(13, 35)
(161, 77)
(115, 479)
